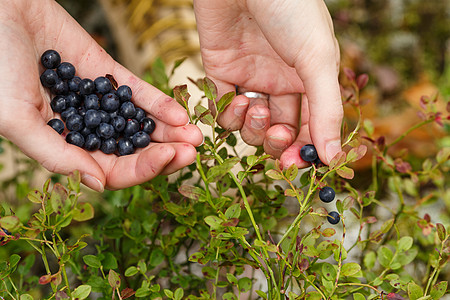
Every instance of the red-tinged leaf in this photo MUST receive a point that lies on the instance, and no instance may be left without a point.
(303, 265)
(362, 80)
(45, 279)
(74, 180)
(198, 83)
(328, 232)
(442, 233)
(210, 89)
(127, 293)
(231, 222)
(427, 218)
(191, 192)
(394, 296)
(321, 211)
(338, 160)
(348, 202)
(10, 223)
(225, 100)
(349, 73)
(274, 174)
(181, 95)
(402, 166)
(56, 279)
(356, 153)
(289, 193)
(345, 172)
(58, 197)
(370, 220)
(113, 279)
(61, 295)
(381, 142)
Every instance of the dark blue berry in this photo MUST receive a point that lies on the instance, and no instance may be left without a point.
(109, 146)
(318, 163)
(118, 122)
(148, 125)
(140, 139)
(75, 122)
(82, 111)
(75, 138)
(113, 114)
(124, 93)
(68, 112)
(105, 130)
(2, 238)
(91, 101)
(131, 127)
(333, 217)
(128, 110)
(140, 114)
(92, 142)
(86, 131)
(58, 104)
(74, 84)
(102, 85)
(308, 153)
(125, 147)
(66, 70)
(110, 102)
(50, 59)
(49, 78)
(73, 99)
(60, 87)
(92, 118)
(106, 118)
(327, 194)
(86, 86)
(57, 125)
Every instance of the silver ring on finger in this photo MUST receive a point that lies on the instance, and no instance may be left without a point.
(251, 94)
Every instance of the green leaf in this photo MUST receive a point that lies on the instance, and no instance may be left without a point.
(291, 172)
(131, 271)
(142, 266)
(229, 296)
(204, 115)
(13, 261)
(328, 271)
(143, 292)
(179, 293)
(345, 172)
(10, 223)
(356, 153)
(384, 256)
(244, 284)
(234, 211)
(156, 258)
(81, 292)
(83, 212)
(74, 180)
(168, 293)
(192, 192)
(405, 243)
(358, 296)
(443, 155)
(438, 290)
(210, 89)
(261, 294)
(213, 221)
(225, 100)
(58, 195)
(414, 291)
(313, 296)
(350, 269)
(217, 172)
(442, 233)
(109, 261)
(26, 297)
(113, 279)
(340, 207)
(92, 261)
(274, 174)
(232, 279)
(337, 160)
(176, 64)
(35, 196)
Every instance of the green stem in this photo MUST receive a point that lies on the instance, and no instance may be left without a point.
(397, 140)
(47, 268)
(359, 284)
(315, 287)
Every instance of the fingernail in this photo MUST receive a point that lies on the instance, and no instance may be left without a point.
(332, 148)
(92, 182)
(258, 122)
(277, 143)
(240, 109)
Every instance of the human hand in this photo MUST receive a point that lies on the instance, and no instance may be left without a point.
(280, 48)
(28, 28)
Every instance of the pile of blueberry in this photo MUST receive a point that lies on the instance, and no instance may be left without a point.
(96, 114)
(326, 194)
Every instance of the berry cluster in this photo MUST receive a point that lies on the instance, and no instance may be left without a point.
(96, 114)
(326, 194)
(5, 233)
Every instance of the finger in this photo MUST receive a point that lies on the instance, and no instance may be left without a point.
(166, 133)
(184, 156)
(77, 46)
(257, 122)
(233, 117)
(284, 115)
(47, 147)
(129, 170)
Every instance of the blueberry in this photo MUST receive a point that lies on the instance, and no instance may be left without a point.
(75, 138)
(58, 104)
(92, 118)
(106, 118)
(128, 110)
(60, 87)
(91, 101)
(124, 93)
(66, 70)
(50, 59)
(327, 194)
(333, 217)
(140, 114)
(102, 85)
(74, 84)
(105, 130)
(109, 146)
(308, 153)
(2, 238)
(140, 139)
(49, 78)
(113, 114)
(110, 102)
(73, 99)
(131, 127)
(118, 122)
(68, 112)
(86, 131)
(82, 111)
(318, 163)
(125, 146)
(148, 125)
(92, 142)
(86, 86)
(57, 125)
(75, 122)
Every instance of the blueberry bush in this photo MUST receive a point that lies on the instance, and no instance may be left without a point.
(240, 227)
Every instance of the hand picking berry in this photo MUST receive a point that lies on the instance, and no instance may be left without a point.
(97, 116)
(333, 217)
(327, 194)
(308, 153)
